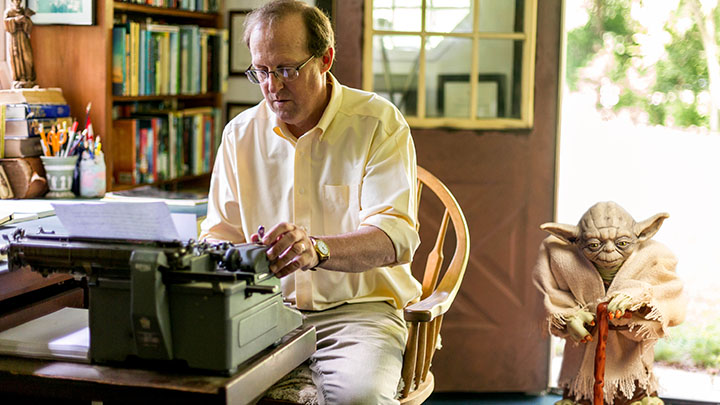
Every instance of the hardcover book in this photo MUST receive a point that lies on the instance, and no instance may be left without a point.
(23, 128)
(23, 147)
(24, 111)
(51, 95)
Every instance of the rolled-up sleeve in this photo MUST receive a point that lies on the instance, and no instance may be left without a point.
(389, 191)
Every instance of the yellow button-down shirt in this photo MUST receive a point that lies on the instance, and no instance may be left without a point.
(355, 168)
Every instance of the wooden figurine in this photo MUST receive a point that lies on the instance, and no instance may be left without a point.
(18, 24)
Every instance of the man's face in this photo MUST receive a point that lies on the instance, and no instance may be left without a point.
(301, 102)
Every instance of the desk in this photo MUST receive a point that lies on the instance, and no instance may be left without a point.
(25, 294)
(90, 382)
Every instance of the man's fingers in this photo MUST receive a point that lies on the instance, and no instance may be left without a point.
(290, 268)
(294, 258)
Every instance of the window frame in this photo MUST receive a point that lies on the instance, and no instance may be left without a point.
(527, 77)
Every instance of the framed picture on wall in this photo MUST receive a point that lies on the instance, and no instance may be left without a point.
(239, 53)
(62, 12)
(233, 109)
(454, 95)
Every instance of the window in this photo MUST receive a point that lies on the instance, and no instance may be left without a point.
(421, 54)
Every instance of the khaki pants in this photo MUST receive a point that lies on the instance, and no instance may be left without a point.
(359, 353)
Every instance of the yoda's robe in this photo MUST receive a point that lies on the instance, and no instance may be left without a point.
(569, 282)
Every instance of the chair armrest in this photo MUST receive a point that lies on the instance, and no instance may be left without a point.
(429, 308)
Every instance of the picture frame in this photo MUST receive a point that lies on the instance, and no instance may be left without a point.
(454, 95)
(232, 109)
(240, 57)
(62, 12)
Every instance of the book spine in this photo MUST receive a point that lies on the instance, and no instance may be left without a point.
(207, 142)
(124, 151)
(204, 62)
(142, 65)
(48, 110)
(118, 60)
(174, 62)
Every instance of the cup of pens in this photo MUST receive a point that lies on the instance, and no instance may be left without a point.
(59, 171)
(59, 160)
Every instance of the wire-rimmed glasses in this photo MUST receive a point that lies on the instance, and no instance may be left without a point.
(285, 74)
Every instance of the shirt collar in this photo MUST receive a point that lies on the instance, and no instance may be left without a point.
(328, 115)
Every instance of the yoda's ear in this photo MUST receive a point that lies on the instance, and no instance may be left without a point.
(568, 233)
(649, 227)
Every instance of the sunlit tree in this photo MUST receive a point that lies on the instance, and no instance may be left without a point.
(661, 57)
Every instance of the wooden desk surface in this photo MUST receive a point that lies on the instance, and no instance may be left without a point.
(64, 380)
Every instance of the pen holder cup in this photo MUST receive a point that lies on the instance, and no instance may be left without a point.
(59, 172)
(92, 176)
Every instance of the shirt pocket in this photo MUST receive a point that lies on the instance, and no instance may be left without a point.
(341, 208)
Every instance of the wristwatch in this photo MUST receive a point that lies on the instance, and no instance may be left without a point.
(322, 250)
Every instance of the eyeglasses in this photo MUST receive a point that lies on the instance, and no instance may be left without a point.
(285, 74)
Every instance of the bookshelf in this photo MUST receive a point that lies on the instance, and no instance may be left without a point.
(79, 59)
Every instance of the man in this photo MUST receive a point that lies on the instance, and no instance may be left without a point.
(330, 172)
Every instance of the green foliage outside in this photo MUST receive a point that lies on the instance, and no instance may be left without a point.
(611, 31)
(692, 346)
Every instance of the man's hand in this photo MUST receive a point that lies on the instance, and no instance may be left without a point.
(290, 248)
(576, 326)
(618, 306)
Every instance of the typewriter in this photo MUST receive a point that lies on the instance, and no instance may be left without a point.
(209, 306)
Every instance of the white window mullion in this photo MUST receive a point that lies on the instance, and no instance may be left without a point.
(421, 95)
(367, 72)
(474, 64)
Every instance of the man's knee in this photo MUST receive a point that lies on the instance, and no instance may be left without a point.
(359, 391)
(365, 388)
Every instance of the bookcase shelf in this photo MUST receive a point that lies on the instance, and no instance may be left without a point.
(79, 60)
(164, 12)
(199, 182)
(159, 97)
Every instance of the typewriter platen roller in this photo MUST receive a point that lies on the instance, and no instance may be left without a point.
(212, 306)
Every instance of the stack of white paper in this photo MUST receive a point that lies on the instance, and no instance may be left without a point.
(61, 335)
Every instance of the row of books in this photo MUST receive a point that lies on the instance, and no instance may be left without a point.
(149, 148)
(206, 6)
(163, 59)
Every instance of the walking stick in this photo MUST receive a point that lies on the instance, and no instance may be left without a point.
(602, 327)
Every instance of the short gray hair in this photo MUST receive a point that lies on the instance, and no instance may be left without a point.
(319, 30)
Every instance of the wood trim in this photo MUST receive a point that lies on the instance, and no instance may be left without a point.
(71, 298)
(22, 281)
(165, 11)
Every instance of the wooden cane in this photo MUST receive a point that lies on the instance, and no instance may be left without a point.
(602, 328)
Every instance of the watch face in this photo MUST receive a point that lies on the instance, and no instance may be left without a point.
(323, 248)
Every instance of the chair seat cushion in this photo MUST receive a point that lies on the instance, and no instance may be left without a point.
(296, 387)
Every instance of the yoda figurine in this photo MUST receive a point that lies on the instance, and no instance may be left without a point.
(608, 257)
